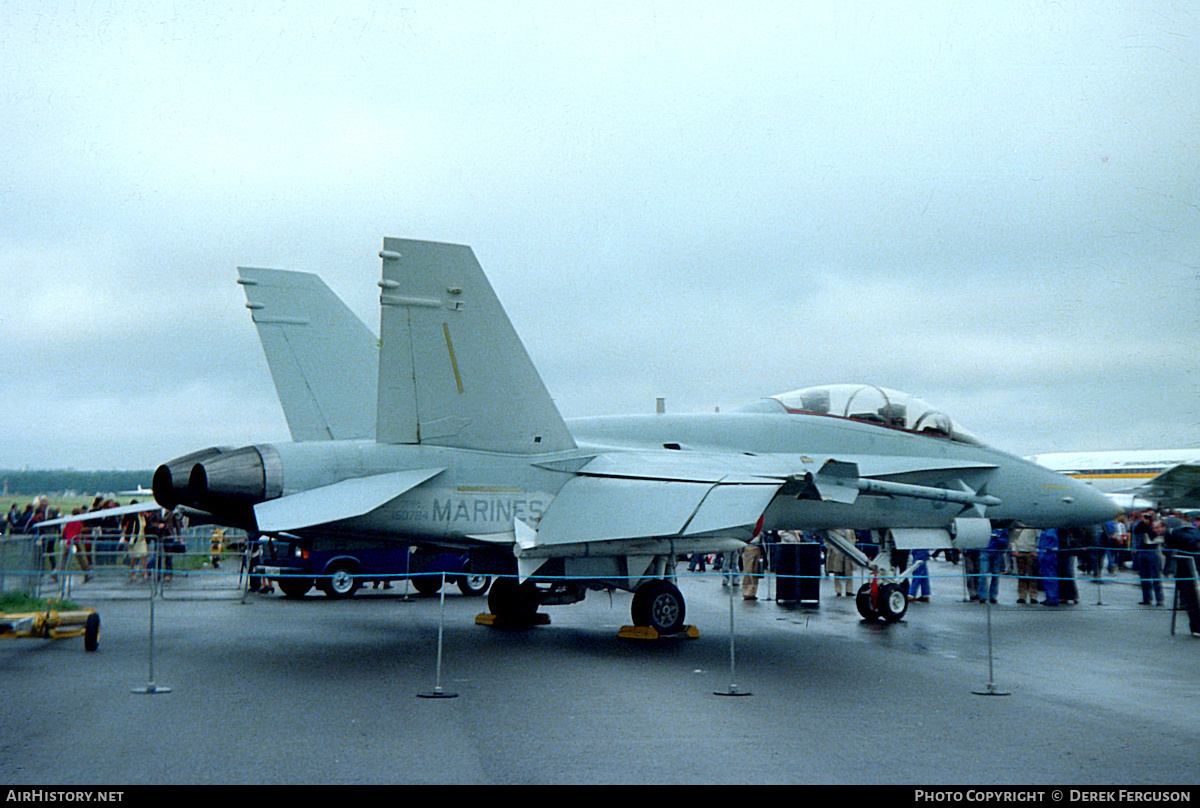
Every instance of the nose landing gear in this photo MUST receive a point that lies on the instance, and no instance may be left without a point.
(882, 601)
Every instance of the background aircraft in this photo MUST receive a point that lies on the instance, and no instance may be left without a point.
(470, 452)
(1153, 478)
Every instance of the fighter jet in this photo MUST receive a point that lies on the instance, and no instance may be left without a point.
(469, 451)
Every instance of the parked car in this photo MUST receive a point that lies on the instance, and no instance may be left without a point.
(339, 566)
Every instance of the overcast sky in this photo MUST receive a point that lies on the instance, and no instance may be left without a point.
(994, 206)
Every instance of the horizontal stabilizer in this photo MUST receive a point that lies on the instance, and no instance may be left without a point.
(104, 514)
(342, 500)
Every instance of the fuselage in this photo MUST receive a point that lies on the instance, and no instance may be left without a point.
(475, 496)
(1029, 493)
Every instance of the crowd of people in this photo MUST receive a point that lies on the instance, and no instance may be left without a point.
(133, 537)
(1046, 564)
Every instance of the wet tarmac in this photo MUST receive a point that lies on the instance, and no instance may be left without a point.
(265, 690)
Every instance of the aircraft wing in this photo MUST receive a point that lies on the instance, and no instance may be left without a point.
(1177, 487)
(595, 509)
(642, 496)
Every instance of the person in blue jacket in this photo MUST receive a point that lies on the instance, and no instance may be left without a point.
(1048, 565)
(993, 565)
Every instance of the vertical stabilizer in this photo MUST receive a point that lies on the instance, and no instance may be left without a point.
(323, 359)
(452, 370)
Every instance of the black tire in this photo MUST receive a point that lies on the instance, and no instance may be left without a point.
(893, 603)
(473, 585)
(659, 604)
(514, 602)
(295, 587)
(91, 632)
(427, 584)
(863, 602)
(339, 580)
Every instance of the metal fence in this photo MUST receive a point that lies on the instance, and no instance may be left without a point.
(195, 559)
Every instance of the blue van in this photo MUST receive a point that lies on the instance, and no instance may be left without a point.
(338, 566)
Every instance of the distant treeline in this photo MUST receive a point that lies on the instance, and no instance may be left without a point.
(32, 483)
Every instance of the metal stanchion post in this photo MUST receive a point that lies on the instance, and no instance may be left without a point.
(64, 574)
(991, 685)
(405, 598)
(244, 571)
(733, 689)
(767, 567)
(437, 692)
(1174, 606)
(151, 687)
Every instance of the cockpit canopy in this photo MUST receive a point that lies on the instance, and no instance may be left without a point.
(871, 405)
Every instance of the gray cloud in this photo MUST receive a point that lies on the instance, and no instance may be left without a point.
(993, 206)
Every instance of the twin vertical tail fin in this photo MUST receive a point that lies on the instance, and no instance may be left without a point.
(322, 357)
(452, 370)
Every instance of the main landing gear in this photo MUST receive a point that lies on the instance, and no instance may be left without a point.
(658, 604)
(514, 603)
(658, 607)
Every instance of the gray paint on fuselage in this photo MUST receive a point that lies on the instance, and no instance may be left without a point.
(824, 436)
(479, 493)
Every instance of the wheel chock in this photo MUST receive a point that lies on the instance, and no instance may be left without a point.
(650, 633)
(495, 621)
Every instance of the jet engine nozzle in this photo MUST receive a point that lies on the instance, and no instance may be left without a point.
(170, 481)
(231, 482)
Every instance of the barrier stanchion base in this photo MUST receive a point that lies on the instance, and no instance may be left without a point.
(991, 691)
(437, 693)
(650, 633)
(732, 691)
(151, 689)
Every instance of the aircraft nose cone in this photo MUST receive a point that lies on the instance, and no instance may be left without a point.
(1090, 506)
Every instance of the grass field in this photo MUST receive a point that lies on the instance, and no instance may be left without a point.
(11, 602)
(64, 504)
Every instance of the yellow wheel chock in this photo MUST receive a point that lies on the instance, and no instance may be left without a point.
(495, 621)
(650, 633)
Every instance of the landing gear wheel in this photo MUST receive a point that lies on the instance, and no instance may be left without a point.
(340, 582)
(863, 602)
(295, 587)
(659, 604)
(427, 584)
(514, 602)
(91, 632)
(892, 603)
(473, 585)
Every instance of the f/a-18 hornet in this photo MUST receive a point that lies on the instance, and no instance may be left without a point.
(464, 448)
